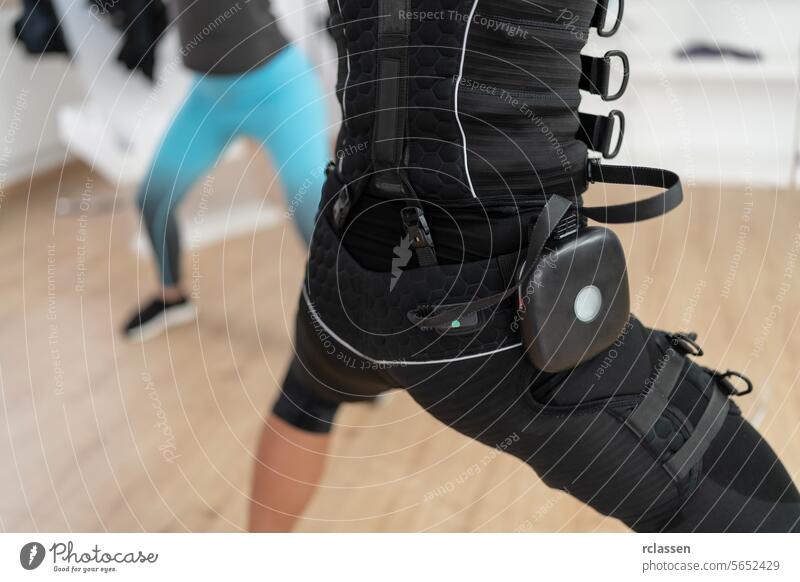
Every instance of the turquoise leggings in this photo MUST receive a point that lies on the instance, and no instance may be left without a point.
(279, 104)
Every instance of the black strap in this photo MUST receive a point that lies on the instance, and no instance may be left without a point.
(554, 210)
(557, 207)
(597, 132)
(389, 131)
(638, 210)
(600, 15)
(596, 75)
(644, 416)
(698, 442)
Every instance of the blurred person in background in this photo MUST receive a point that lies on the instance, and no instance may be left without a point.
(250, 81)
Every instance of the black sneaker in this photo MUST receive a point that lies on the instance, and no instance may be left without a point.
(158, 316)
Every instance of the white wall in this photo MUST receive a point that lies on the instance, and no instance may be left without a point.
(32, 89)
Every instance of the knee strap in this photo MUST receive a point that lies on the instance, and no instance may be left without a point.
(644, 417)
(649, 461)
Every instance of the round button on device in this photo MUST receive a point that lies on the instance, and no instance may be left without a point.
(588, 302)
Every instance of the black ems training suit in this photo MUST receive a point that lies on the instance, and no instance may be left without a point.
(460, 122)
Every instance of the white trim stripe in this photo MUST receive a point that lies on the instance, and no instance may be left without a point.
(458, 84)
(333, 334)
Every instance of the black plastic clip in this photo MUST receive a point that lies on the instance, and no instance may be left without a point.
(341, 208)
(594, 170)
(686, 343)
(417, 226)
(727, 385)
(421, 239)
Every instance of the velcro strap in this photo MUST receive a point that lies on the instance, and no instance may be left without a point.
(698, 442)
(596, 75)
(597, 132)
(388, 136)
(388, 132)
(644, 416)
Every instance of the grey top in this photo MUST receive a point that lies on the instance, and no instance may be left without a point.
(222, 37)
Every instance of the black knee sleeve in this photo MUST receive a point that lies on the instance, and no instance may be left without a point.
(303, 408)
(322, 375)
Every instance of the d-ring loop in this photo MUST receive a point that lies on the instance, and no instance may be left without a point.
(626, 72)
(729, 386)
(615, 114)
(603, 6)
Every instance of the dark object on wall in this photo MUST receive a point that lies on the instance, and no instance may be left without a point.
(38, 29)
(716, 51)
(142, 22)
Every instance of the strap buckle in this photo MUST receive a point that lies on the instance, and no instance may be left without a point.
(417, 227)
(341, 207)
(686, 343)
(728, 387)
(594, 170)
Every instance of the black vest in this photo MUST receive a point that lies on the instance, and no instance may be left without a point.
(467, 98)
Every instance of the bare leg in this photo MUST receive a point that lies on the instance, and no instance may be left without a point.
(171, 294)
(288, 469)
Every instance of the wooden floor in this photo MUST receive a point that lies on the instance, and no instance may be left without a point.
(99, 434)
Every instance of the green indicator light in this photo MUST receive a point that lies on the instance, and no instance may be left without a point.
(455, 323)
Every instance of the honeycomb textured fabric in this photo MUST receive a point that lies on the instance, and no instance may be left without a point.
(516, 96)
